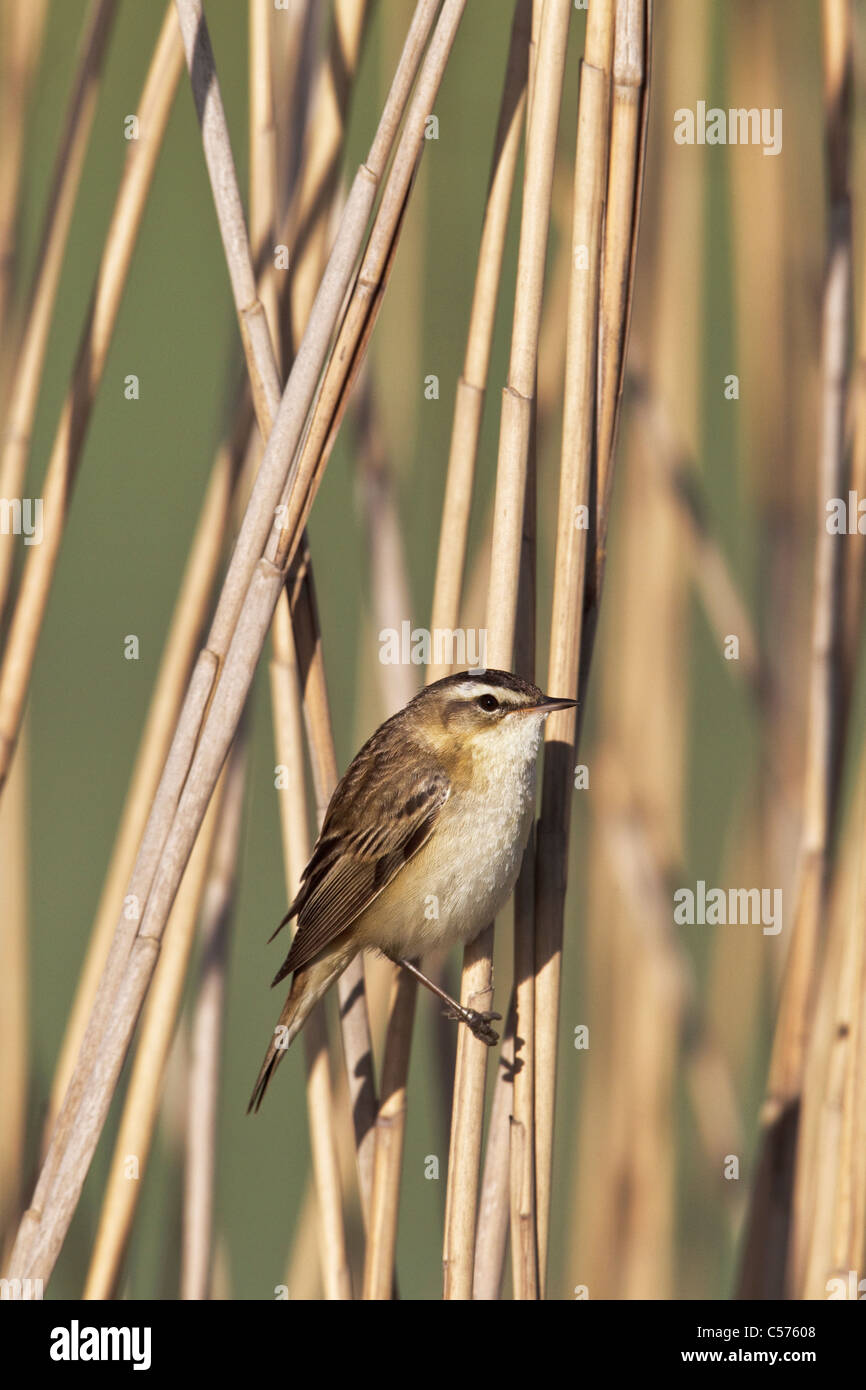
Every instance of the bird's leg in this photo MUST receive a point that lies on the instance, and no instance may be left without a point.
(479, 1023)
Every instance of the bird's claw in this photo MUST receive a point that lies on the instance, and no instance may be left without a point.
(478, 1023)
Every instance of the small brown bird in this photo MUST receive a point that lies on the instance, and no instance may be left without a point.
(421, 844)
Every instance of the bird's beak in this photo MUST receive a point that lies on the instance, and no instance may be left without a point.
(549, 703)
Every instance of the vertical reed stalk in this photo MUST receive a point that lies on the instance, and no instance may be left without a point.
(521, 1136)
(575, 493)
(828, 1162)
(472, 386)
(494, 1201)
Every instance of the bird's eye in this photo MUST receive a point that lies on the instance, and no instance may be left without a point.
(488, 702)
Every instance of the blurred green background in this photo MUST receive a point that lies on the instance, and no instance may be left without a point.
(134, 509)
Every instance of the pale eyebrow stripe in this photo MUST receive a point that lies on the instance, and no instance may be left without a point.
(506, 697)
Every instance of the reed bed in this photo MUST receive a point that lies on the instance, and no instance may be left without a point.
(352, 221)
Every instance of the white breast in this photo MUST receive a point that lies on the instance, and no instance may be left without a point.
(465, 873)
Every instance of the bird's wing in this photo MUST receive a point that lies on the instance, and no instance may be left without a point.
(350, 866)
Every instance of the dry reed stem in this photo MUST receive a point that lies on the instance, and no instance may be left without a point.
(22, 30)
(534, 40)
(551, 348)
(826, 1162)
(263, 166)
(288, 730)
(524, 1233)
(20, 408)
(524, 1225)
(14, 990)
(521, 1129)
(819, 1131)
(307, 219)
(512, 465)
(626, 163)
(303, 1274)
(291, 46)
(854, 560)
(26, 622)
(570, 565)
(206, 1037)
(774, 1253)
(472, 386)
(851, 1216)
(390, 1133)
(494, 1202)
(141, 1104)
(258, 347)
(313, 47)
(601, 1127)
(849, 1189)
(628, 117)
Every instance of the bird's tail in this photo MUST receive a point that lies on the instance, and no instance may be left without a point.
(308, 986)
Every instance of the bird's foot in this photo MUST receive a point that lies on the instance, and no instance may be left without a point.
(479, 1023)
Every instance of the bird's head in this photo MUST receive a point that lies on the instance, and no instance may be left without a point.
(487, 713)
